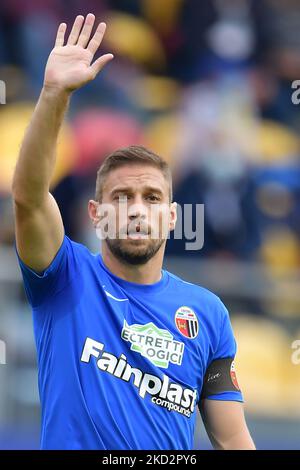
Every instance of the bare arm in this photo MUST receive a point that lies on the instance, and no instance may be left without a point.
(39, 227)
(225, 425)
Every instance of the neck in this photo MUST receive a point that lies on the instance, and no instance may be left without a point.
(148, 273)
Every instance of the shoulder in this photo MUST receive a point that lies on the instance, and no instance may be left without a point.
(194, 289)
(74, 257)
(199, 295)
(78, 249)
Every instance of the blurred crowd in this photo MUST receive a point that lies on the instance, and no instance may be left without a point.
(207, 85)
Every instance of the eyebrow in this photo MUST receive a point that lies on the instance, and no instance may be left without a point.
(128, 189)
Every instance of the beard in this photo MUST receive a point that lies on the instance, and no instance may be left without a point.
(134, 252)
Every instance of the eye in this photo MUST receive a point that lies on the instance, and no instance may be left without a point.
(153, 198)
(121, 197)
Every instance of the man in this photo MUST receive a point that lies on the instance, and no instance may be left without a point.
(126, 351)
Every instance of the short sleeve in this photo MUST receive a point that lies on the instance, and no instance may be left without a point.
(43, 285)
(227, 344)
(220, 381)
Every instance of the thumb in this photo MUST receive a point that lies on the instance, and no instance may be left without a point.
(98, 65)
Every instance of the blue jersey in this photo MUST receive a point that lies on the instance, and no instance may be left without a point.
(121, 365)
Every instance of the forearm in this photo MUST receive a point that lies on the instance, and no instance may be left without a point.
(37, 156)
(239, 441)
(225, 425)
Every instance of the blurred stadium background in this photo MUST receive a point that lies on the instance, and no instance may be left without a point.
(206, 84)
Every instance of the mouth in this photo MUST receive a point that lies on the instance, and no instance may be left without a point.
(137, 236)
(138, 233)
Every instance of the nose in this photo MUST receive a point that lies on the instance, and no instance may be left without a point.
(137, 210)
(136, 213)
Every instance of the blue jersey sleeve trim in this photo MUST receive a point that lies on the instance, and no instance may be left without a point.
(227, 396)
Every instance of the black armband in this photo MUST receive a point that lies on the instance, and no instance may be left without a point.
(220, 377)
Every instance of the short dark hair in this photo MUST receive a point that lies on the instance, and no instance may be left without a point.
(128, 156)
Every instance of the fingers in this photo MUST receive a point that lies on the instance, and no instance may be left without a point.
(86, 30)
(100, 63)
(81, 32)
(60, 36)
(74, 34)
(97, 38)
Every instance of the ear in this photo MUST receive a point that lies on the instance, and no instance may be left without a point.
(173, 216)
(92, 210)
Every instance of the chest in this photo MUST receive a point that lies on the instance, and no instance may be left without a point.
(154, 332)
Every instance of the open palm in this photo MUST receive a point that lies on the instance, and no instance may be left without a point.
(70, 66)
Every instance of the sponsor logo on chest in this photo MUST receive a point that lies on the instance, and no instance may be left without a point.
(156, 344)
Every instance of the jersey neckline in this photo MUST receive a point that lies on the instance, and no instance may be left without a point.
(136, 287)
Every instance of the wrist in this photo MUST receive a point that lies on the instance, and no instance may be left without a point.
(56, 92)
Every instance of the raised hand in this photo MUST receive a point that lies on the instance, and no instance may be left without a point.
(70, 66)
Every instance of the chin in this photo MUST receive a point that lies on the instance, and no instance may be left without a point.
(139, 250)
(134, 252)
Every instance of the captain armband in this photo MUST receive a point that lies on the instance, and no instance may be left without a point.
(220, 377)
